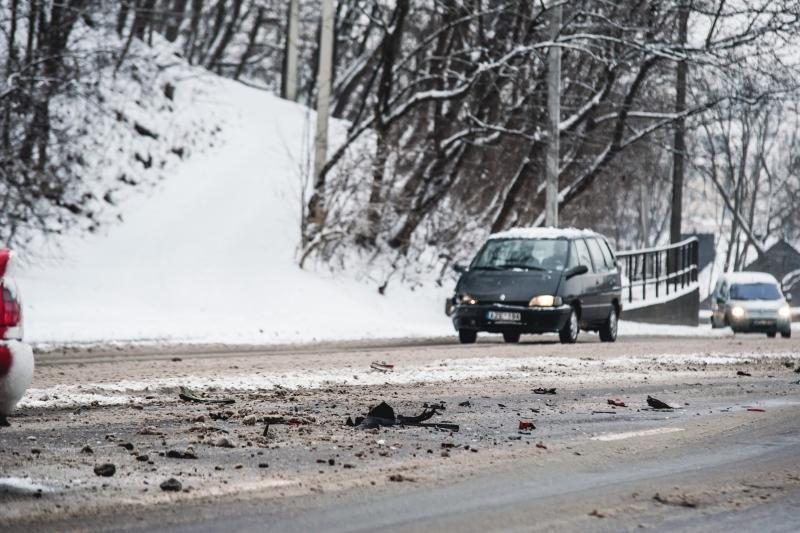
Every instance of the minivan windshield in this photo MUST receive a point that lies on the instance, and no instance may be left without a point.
(522, 254)
(755, 291)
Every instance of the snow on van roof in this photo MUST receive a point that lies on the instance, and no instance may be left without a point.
(542, 233)
(749, 277)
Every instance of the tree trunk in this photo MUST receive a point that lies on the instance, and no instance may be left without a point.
(216, 56)
(679, 144)
(251, 43)
(122, 15)
(389, 50)
(194, 28)
(174, 20)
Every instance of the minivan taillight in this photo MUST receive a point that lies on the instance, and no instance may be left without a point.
(9, 309)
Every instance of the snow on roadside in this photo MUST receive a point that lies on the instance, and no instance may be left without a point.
(640, 329)
(209, 255)
(444, 370)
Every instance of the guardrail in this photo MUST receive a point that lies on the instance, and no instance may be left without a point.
(660, 271)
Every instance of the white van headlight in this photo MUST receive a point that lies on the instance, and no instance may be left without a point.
(785, 312)
(737, 312)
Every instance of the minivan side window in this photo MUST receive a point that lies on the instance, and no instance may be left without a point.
(597, 256)
(573, 256)
(583, 254)
(608, 254)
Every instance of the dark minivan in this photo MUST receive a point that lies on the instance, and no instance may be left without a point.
(539, 280)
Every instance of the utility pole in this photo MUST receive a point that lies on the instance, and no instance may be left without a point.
(323, 102)
(679, 144)
(554, 117)
(289, 88)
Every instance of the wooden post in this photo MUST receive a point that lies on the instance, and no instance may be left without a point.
(290, 64)
(323, 97)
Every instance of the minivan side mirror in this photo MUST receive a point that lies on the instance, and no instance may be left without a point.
(458, 267)
(576, 271)
(720, 300)
(788, 298)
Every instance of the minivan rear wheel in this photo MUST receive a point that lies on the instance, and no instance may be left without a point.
(786, 334)
(569, 333)
(608, 331)
(771, 334)
(511, 336)
(467, 336)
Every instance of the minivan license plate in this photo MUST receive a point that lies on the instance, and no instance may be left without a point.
(504, 316)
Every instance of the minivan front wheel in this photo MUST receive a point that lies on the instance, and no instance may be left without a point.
(467, 336)
(569, 333)
(608, 332)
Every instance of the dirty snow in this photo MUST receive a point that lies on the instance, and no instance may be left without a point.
(438, 371)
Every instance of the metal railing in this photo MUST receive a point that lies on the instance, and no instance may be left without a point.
(656, 272)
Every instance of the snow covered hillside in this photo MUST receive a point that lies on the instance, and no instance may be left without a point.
(209, 254)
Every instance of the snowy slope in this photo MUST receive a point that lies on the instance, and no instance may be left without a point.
(209, 255)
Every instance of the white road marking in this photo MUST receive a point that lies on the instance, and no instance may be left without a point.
(633, 434)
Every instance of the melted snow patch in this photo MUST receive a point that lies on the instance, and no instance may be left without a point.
(633, 434)
(23, 486)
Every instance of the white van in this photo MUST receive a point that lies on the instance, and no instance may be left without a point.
(751, 302)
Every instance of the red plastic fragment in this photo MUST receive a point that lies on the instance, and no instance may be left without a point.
(5, 255)
(756, 410)
(524, 425)
(616, 402)
(5, 360)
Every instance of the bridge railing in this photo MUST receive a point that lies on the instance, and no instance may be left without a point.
(660, 271)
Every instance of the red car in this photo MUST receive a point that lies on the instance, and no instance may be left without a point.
(16, 357)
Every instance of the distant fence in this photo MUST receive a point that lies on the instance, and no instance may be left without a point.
(654, 273)
(659, 285)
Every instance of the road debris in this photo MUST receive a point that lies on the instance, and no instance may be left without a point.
(399, 478)
(597, 514)
(616, 402)
(465, 403)
(756, 410)
(224, 442)
(680, 501)
(188, 396)
(105, 470)
(655, 403)
(743, 373)
(541, 390)
(171, 485)
(189, 453)
(541, 445)
(525, 425)
(383, 415)
(381, 366)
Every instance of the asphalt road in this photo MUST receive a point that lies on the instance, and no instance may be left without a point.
(728, 455)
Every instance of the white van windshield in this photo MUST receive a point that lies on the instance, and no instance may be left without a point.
(755, 291)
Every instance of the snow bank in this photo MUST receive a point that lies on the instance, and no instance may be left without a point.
(209, 254)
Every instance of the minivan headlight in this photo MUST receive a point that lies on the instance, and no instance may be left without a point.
(785, 312)
(737, 312)
(546, 300)
(466, 299)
